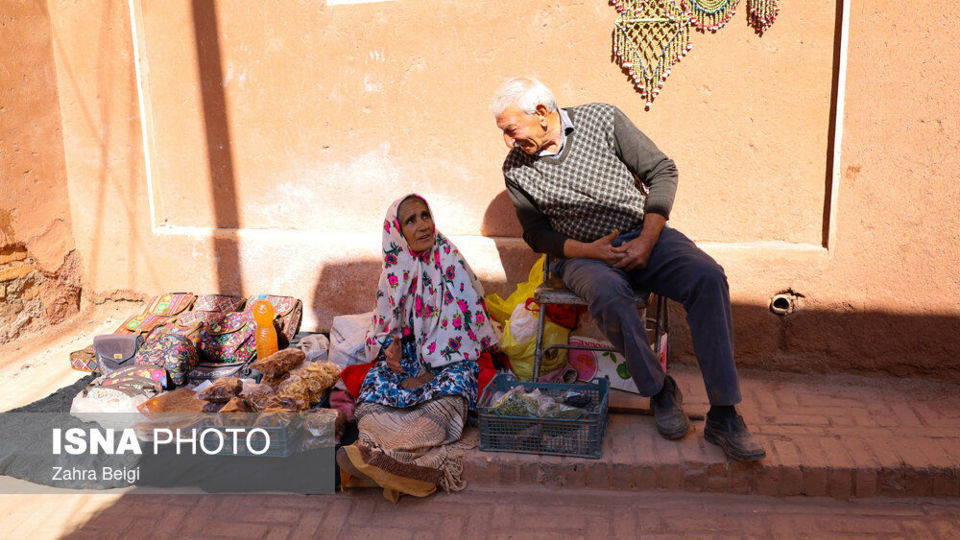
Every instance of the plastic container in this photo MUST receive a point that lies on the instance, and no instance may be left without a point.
(580, 437)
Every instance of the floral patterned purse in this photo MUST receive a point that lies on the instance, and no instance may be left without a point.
(225, 337)
(173, 348)
(223, 303)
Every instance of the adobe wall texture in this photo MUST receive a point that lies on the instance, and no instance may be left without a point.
(39, 267)
(257, 147)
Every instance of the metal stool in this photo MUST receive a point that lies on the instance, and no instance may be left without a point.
(553, 292)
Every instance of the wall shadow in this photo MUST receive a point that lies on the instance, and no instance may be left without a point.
(219, 149)
(500, 224)
(344, 289)
(875, 343)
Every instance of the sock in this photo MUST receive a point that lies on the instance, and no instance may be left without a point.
(720, 412)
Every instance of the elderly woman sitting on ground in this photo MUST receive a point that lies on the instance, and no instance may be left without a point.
(428, 332)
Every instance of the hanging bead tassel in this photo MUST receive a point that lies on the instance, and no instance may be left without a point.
(649, 38)
(709, 14)
(762, 13)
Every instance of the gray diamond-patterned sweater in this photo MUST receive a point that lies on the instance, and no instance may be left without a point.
(595, 185)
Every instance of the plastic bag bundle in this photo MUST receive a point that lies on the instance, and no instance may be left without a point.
(522, 353)
(324, 374)
(321, 427)
(210, 407)
(278, 364)
(310, 383)
(279, 403)
(234, 405)
(500, 308)
(222, 390)
(347, 336)
(315, 347)
(551, 408)
(516, 402)
(257, 396)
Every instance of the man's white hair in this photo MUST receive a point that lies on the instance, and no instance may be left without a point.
(526, 93)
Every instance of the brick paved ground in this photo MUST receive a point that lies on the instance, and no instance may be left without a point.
(847, 442)
(532, 513)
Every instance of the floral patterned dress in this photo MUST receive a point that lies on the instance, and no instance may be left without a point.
(382, 384)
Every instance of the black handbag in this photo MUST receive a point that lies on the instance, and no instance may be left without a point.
(115, 351)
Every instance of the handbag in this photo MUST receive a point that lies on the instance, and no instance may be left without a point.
(218, 302)
(84, 360)
(170, 304)
(172, 348)
(133, 379)
(142, 324)
(288, 314)
(114, 351)
(226, 338)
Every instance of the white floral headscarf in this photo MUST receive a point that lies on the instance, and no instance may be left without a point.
(437, 291)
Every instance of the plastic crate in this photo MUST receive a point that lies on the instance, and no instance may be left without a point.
(580, 437)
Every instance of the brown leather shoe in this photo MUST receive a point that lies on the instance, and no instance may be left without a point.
(732, 436)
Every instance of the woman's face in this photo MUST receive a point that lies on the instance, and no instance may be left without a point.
(416, 224)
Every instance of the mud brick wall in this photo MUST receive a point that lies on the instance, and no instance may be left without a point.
(31, 298)
(39, 265)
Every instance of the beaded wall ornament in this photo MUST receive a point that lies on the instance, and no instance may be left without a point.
(709, 14)
(761, 14)
(649, 38)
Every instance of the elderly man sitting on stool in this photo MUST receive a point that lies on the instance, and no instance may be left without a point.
(572, 176)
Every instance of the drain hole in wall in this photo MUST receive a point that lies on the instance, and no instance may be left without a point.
(784, 302)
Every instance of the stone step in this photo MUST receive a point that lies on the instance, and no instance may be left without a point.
(842, 436)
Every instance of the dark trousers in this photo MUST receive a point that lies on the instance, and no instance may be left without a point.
(682, 272)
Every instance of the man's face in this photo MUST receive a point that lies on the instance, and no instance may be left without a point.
(522, 130)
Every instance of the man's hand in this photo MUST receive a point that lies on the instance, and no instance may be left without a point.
(392, 353)
(636, 254)
(600, 249)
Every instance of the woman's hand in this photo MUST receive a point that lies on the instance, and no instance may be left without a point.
(392, 353)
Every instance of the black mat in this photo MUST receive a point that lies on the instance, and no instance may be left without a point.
(59, 401)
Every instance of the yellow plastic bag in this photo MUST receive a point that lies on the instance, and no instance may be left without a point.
(522, 355)
(500, 309)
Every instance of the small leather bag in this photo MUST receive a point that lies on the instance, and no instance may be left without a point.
(115, 351)
(142, 323)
